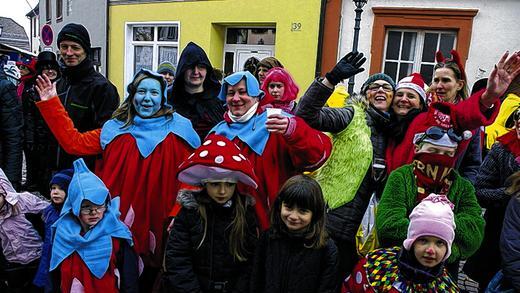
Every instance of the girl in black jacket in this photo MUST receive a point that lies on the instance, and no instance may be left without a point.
(211, 245)
(295, 254)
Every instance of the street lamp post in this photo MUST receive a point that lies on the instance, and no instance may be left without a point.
(359, 9)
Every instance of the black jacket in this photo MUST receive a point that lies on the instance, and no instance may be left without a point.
(490, 186)
(284, 265)
(11, 135)
(204, 109)
(510, 243)
(343, 222)
(89, 98)
(198, 262)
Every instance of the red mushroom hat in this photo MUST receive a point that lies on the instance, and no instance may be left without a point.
(217, 159)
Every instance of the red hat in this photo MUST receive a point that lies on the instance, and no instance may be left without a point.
(217, 159)
(455, 58)
(441, 116)
(415, 82)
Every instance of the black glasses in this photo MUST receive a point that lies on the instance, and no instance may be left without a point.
(516, 115)
(436, 133)
(375, 86)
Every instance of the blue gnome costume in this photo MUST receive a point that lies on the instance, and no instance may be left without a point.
(100, 258)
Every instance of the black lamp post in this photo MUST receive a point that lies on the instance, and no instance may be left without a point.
(359, 9)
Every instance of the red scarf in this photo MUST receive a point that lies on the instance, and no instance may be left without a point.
(511, 142)
(433, 173)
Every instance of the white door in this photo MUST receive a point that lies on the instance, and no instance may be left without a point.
(244, 54)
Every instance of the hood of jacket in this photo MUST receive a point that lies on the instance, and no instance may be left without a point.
(192, 55)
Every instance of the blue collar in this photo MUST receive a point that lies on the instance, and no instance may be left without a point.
(95, 246)
(150, 132)
(252, 132)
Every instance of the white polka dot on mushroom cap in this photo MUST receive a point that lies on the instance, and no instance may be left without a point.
(237, 158)
(203, 153)
(242, 156)
(219, 159)
(207, 142)
(221, 143)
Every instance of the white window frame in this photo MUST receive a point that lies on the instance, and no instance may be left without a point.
(130, 43)
(419, 45)
(232, 48)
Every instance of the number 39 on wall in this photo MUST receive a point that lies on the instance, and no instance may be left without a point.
(296, 26)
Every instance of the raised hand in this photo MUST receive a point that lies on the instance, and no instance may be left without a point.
(501, 77)
(45, 88)
(347, 66)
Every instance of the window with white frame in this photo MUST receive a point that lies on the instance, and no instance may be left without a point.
(410, 51)
(150, 44)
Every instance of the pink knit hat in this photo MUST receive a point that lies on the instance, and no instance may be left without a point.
(433, 216)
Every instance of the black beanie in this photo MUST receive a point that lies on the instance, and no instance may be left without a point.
(76, 33)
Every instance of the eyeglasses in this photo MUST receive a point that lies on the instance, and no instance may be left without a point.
(516, 115)
(89, 210)
(436, 133)
(375, 86)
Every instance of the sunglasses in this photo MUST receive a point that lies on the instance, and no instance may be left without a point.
(516, 115)
(437, 133)
(375, 86)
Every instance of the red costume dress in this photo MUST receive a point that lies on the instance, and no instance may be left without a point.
(140, 172)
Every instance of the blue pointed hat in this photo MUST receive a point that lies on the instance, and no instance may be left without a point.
(253, 87)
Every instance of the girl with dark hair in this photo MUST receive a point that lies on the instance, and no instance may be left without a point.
(212, 242)
(295, 254)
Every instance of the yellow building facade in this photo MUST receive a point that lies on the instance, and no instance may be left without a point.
(143, 34)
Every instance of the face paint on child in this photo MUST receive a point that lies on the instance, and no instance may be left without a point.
(148, 97)
(57, 194)
(429, 250)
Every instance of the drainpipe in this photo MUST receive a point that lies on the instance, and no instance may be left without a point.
(320, 38)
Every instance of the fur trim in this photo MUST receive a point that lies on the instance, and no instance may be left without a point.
(348, 163)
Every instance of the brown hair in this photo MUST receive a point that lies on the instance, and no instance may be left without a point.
(237, 236)
(463, 93)
(305, 193)
(126, 112)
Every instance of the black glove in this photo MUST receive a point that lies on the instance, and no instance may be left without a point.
(348, 66)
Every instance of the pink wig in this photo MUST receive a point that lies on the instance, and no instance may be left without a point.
(278, 74)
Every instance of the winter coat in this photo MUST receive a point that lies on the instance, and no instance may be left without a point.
(343, 221)
(470, 158)
(510, 243)
(400, 197)
(11, 135)
(89, 99)
(38, 143)
(200, 262)
(490, 187)
(395, 270)
(203, 109)
(284, 265)
(43, 278)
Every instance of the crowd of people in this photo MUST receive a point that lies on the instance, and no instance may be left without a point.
(201, 183)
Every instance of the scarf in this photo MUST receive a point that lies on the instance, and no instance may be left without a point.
(433, 173)
(150, 132)
(246, 116)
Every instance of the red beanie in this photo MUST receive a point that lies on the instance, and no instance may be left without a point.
(415, 82)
